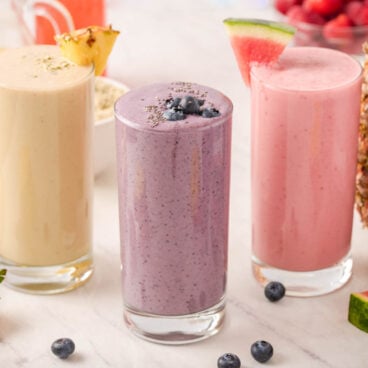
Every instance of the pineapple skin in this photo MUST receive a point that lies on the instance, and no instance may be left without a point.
(88, 45)
(361, 194)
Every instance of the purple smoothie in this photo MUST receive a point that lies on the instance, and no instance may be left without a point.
(173, 179)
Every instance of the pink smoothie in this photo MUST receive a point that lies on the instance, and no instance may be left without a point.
(305, 117)
(174, 197)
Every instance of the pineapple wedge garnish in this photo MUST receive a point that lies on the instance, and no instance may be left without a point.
(88, 45)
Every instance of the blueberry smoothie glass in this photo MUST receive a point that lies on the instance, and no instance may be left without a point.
(173, 152)
(305, 120)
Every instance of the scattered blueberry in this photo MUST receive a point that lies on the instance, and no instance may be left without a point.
(173, 102)
(174, 115)
(63, 347)
(210, 113)
(274, 291)
(261, 351)
(190, 105)
(228, 360)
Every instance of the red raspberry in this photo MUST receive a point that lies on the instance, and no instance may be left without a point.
(297, 14)
(357, 13)
(363, 17)
(338, 28)
(316, 18)
(284, 5)
(323, 7)
(353, 9)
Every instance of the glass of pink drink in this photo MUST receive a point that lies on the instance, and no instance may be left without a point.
(41, 20)
(305, 118)
(173, 179)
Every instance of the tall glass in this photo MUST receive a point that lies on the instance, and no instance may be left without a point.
(46, 120)
(174, 198)
(305, 119)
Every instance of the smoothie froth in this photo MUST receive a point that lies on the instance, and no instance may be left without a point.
(174, 198)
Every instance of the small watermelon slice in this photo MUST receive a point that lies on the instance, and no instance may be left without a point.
(358, 310)
(257, 41)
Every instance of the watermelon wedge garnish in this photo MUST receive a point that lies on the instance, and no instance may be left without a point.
(358, 310)
(257, 41)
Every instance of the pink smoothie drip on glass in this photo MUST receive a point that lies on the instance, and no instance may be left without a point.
(304, 152)
(174, 198)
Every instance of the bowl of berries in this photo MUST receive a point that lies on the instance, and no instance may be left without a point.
(337, 24)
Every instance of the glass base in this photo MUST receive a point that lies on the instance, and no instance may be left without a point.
(48, 279)
(176, 330)
(305, 284)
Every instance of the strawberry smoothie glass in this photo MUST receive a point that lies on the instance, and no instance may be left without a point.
(305, 118)
(173, 176)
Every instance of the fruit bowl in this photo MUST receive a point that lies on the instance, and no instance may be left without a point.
(346, 39)
(107, 91)
(336, 24)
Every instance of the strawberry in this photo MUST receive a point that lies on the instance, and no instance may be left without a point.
(339, 28)
(323, 7)
(284, 5)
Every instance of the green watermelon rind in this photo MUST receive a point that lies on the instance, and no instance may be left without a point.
(358, 311)
(259, 28)
(2, 275)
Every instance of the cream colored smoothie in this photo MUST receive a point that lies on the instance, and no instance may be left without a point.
(46, 114)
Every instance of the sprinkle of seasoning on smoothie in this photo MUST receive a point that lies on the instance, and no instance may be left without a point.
(53, 65)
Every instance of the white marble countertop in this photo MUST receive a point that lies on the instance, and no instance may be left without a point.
(164, 41)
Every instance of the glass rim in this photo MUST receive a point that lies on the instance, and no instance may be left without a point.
(90, 73)
(352, 81)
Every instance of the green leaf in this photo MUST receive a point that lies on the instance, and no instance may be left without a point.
(2, 275)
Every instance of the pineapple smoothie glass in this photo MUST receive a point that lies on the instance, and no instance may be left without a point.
(305, 119)
(46, 122)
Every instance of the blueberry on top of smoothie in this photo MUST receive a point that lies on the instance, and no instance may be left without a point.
(210, 113)
(179, 107)
(190, 105)
(173, 102)
(174, 114)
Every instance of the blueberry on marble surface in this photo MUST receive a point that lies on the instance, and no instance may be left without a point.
(174, 115)
(210, 113)
(261, 351)
(274, 291)
(228, 360)
(63, 347)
